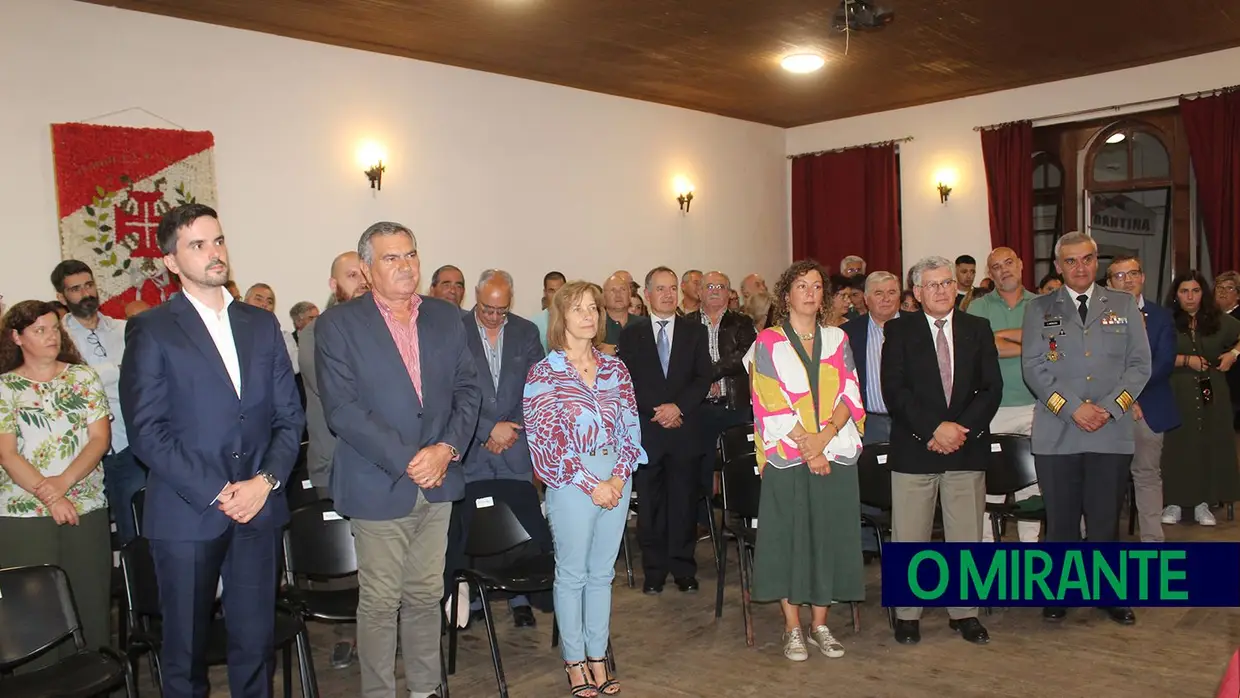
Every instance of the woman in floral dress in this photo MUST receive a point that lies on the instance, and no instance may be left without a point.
(54, 430)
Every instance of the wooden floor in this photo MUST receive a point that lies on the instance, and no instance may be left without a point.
(672, 646)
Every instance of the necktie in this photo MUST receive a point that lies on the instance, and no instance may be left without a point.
(945, 359)
(664, 347)
(1083, 309)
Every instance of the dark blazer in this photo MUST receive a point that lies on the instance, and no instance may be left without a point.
(522, 349)
(689, 375)
(371, 405)
(736, 335)
(1156, 399)
(186, 423)
(914, 394)
(1233, 380)
(858, 331)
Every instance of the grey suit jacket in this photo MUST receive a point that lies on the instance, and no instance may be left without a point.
(379, 421)
(322, 441)
(522, 349)
(1104, 360)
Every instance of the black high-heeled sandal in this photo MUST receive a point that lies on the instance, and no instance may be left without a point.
(580, 690)
(609, 686)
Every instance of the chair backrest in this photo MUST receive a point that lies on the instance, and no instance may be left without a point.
(741, 486)
(36, 614)
(874, 476)
(137, 505)
(1010, 468)
(141, 585)
(318, 543)
(494, 529)
(300, 492)
(736, 442)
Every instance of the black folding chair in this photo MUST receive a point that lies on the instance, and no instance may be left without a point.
(37, 615)
(741, 491)
(874, 485)
(318, 547)
(495, 530)
(1009, 471)
(146, 627)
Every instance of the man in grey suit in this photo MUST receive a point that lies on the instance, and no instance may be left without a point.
(1086, 357)
(497, 465)
(399, 390)
(346, 282)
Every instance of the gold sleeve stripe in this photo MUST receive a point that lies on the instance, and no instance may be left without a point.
(1055, 402)
(1124, 401)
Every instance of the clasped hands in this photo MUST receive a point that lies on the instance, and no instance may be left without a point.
(502, 437)
(668, 416)
(429, 465)
(607, 493)
(241, 501)
(1090, 417)
(51, 492)
(948, 438)
(815, 444)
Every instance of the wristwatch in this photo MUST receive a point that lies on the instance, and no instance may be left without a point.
(269, 479)
(1235, 353)
(456, 455)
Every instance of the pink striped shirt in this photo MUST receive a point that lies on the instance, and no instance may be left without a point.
(406, 338)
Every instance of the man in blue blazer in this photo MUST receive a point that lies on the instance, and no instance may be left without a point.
(497, 465)
(211, 408)
(400, 392)
(1155, 411)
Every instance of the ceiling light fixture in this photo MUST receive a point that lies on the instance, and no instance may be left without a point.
(803, 62)
(1116, 138)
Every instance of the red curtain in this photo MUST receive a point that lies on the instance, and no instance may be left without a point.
(1008, 153)
(848, 202)
(1213, 128)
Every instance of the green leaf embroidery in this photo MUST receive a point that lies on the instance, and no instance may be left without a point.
(91, 224)
(101, 190)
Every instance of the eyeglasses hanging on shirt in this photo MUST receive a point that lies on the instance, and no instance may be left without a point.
(93, 340)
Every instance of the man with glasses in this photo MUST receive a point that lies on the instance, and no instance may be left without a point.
(497, 463)
(101, 342)
(852, 265)
(1155, 412)
(1086, 357)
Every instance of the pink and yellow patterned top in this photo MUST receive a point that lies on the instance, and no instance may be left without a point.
(782, 399)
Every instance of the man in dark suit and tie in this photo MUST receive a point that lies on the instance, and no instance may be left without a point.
(400, 392)
(497, 465)
(669, 361)
(939, 432)
(211, 408)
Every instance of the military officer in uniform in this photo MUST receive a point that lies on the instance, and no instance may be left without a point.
(1086, 357)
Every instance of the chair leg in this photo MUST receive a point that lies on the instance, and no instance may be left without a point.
(555, 631)
(710, 528)
(500, 681)
(1132, 507)
(443, 673)
(305, 665)
(723, 565)
(628, 556)
(1231, 511)
(745, 610)
(611, 657)
(996, 529)
(286, 670)
(452, 619)
(891, 611)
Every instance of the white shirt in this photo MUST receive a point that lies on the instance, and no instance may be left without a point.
(671, 325)
(947, 330)
(291, 345)
(1089, 293)
(220, 329)
(103, 353)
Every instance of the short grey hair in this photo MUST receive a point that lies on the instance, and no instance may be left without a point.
(1075, 237)
(299, 310)
(365, 244)
(851, 258)
(658, 270)
(879, 277)
(929, 264)
(491, 274)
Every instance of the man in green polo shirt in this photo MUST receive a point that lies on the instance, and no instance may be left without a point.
(1005, 309)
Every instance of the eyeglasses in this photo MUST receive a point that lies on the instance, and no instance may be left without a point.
(1122, 275)
(939, 285)
(715, 287)
(493, 311)
(93, 340)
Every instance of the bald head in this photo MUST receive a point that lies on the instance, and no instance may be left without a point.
(616, 291)
(752, 285)
(1004, 267)
(347, 281)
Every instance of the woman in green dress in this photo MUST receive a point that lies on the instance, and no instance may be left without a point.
(807, 420)
(55, 427)
(1199, 459)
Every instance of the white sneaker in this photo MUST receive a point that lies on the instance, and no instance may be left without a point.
(1203, 515)
(822, 638)
(1171, 515)
(794, 646)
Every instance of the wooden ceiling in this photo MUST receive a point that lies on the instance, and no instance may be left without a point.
(722, 56)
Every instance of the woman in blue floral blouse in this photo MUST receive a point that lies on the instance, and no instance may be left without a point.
(54, 430)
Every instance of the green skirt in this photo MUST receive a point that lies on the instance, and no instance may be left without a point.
(809, 537)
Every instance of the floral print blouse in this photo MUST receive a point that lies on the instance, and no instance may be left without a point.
(50, 420)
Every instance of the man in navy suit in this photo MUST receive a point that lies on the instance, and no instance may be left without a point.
(497, 465)
(1154, 411)
(211, 408)
(400, 392)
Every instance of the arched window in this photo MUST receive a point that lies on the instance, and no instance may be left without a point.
(1047, 211)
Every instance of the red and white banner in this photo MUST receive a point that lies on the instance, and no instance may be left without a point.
(113, 183)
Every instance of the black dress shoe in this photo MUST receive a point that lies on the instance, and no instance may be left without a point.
(1054, 614)
(1121, 614)
(687, 585)
(652, 588)
(908, 632)
(523, 617)
(970, 629)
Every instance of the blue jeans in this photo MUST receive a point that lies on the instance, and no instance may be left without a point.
(587, 539)
(123, 476)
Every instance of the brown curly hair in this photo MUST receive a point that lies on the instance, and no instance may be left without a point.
(779, 309)
(17, 319)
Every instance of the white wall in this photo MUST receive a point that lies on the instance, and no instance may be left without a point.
(487, 170)
(944, 139)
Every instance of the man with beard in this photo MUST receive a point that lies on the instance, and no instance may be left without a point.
(211, 408)
(101, 342)
(346, 283)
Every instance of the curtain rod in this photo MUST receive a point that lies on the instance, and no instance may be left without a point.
(1116, 107)
(875, 144)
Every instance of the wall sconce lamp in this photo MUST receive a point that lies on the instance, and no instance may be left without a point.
(944, 192)
(945, 179)
(375, 175)
(684, 194)
(685, 199)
